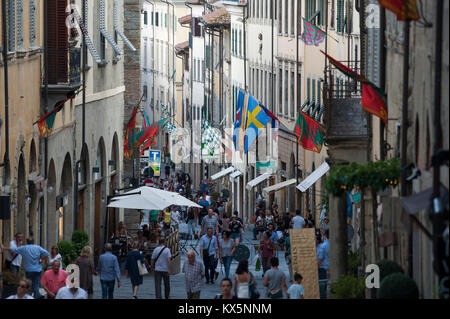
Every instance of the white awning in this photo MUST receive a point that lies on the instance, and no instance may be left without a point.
(254, 182)
(236, 174)
(279, 186)
(223, 173)
(313, 177)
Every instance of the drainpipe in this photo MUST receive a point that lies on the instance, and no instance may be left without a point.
(437, 213)
(405, 130)
(153, 58)
(191, 57)
(5, 164)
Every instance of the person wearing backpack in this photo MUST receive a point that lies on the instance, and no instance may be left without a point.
(161, 261)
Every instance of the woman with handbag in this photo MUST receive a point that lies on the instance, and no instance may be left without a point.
(87, 270)
(132, 268)
(267, 248)
(244, 282)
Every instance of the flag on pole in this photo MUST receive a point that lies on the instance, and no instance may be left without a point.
(312, 35)
(275, 123)
(403, 9)
(130, 133)
(147, 137)
(46, 122)
(257, 119)
(310, 133)
(373, 99)
(240, 122)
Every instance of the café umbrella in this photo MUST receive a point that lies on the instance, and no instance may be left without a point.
(150, 198)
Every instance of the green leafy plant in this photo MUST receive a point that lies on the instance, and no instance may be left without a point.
(376, 175)
(67, 251)
(388, 267)
(353, 261)
(79, 240)
(348, 287)
(398, 286)
(215, 195)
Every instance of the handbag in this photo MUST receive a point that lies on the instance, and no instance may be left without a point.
(253, 292)
(142, 268)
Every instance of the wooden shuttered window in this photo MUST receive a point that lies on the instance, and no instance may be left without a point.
(57, 35)
(340, 16)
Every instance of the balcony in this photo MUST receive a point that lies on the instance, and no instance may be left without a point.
(345, 120)
(64, 72)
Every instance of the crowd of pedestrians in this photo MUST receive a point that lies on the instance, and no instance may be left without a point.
(220, 233)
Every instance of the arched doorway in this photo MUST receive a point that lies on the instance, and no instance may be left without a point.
(32, 192)
(52, 213)
(21, 221)
(65, 222)
(113, 184)
(83, 182)
(100, 197)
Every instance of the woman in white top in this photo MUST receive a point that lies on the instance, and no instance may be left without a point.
(22, 291)
(54, 255)
(242, 279)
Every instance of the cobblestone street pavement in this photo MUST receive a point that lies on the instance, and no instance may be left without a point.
(177, 282)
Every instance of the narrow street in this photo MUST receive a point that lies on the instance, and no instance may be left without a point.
(177, 282)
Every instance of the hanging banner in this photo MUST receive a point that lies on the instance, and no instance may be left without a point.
(155, 162)
(304, 260)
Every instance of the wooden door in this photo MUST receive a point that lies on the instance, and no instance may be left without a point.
(80, 218)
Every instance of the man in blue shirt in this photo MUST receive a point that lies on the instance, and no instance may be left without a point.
(209, 252)
(203, 202)
(323, 262)
(31, 255)
(109, 271)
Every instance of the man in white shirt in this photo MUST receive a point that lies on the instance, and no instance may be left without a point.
(15, 260)
(298, 221)
(71, 293)
(175, 217)
(161, 261)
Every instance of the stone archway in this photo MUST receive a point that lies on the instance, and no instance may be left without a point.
(52, 226)
(6, 224)
(21, 221)
(83, 194)
(65, 222)
(113, 216)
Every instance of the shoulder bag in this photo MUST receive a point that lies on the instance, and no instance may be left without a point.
(157, 257)
(142, 268)
(253, 292)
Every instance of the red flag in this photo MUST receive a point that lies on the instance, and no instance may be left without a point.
(373, 103)
(310, 133)
(403, 9)
(373, 99)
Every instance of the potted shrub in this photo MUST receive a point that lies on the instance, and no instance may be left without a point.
(348, 287)
(398, 286)
(67, 251)
(388, 267)
(79, 240)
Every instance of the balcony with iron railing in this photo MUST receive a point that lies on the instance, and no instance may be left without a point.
(344, 118)
(63, 71)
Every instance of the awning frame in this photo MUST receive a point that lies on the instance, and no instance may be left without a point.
(284, 184)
